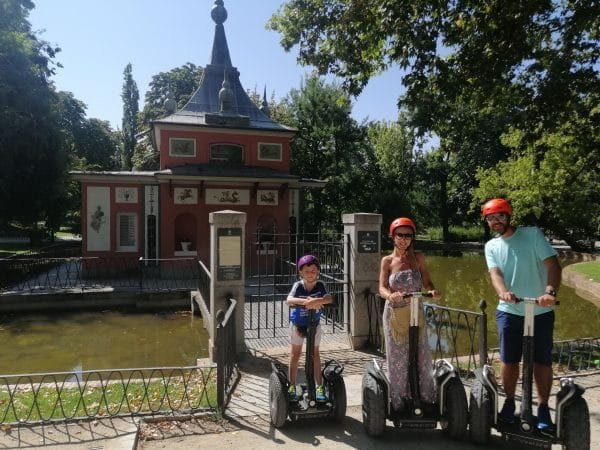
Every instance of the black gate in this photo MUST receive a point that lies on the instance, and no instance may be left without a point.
(271, 271)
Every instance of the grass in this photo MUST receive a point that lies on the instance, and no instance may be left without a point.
(45, 402)
(589, 269)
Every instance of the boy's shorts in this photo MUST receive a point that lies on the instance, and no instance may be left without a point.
(297, 338)
(510, 337)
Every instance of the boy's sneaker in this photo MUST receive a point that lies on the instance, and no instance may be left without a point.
(544, 419)
(320, 394)
(507, 413)
(292, 393)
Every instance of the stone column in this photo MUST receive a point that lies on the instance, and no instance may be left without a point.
(364, 256)
(227, 268)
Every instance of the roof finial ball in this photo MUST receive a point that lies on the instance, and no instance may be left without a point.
(218, 12)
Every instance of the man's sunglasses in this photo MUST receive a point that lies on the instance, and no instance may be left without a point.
(496, 217)
(404, 235)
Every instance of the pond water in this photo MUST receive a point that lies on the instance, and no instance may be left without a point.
(61, 342)
(103, 340)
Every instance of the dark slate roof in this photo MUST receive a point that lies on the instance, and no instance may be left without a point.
(205, 107)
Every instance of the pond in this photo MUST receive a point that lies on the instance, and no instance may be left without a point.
(61, 342)
(103, 340)
(464, 281)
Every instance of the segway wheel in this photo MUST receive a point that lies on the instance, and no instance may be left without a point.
(576, 425)
(374, 408)
(339, 400)
(278, 402)
(455, 418)
(480, 413)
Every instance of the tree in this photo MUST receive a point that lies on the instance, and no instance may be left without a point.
(34, 165)
(525, 65)
(131, 98)
(329, 145)
(180, 82)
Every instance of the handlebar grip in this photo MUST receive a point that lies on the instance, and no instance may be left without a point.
(419, 294)
(522, 299)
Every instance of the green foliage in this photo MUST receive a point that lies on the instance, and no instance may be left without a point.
(330, 146)
(589, 269)
(554, 182)
(32, 146)
(457, 234)
(130, 96)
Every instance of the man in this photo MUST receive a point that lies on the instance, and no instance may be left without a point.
(522, 264)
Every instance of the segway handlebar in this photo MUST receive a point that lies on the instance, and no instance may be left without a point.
(417, 294)
(532, 300)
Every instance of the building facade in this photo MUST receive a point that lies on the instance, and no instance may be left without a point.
(219, 152)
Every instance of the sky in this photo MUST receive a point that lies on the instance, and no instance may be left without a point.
(98, 38)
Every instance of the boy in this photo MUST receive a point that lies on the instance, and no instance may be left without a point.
(307, 293)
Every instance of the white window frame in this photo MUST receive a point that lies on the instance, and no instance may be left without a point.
(262, 145)
(134, 223)
(172, 142)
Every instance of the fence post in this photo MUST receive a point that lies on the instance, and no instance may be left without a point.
(227, 268)
(141, 273)
(483, 348)
(221, 360)
(362, 256)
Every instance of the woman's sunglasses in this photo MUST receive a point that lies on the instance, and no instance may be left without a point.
(404, 235)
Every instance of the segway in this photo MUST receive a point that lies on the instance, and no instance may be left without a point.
(572, 418)
(450, 408)
(306, 406)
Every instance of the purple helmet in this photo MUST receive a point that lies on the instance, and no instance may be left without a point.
(308, 259)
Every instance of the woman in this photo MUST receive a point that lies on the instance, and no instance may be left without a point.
(405, 271)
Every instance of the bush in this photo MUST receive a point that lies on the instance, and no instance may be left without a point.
(457, 234)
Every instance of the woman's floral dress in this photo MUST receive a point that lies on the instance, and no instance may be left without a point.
(396, 323)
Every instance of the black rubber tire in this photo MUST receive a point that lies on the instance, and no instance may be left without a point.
(456, 410)
(278, 402)
(576, 425)
(340, 400)
(374, 408)
(480, 413)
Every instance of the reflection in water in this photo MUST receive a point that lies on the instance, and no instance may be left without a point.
(464, 280)
(61, 342)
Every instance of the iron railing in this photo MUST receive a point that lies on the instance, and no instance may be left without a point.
(454, 334)
(227, 368)
(461, 337)
(271, 271)
(65, 396)
(85, 274)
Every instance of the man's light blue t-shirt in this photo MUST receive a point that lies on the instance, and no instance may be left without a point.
(521, 257)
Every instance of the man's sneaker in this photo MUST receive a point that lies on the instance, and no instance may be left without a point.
(507, 413)
(320, 394)
(544, 421)
(292, 393)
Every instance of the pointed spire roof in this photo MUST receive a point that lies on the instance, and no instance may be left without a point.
(205, 107)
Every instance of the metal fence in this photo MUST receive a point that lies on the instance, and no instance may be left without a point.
(227, 368)
(461, 337)
(454, 334)
(271, 271)
(64, 396)
(84, 274)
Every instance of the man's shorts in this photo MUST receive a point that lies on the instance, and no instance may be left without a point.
(510, 337)
(297, 336)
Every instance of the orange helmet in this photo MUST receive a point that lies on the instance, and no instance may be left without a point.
(496, 205)
(402, 222)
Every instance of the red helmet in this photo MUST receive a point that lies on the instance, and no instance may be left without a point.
(402, 222)
(496, 205)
